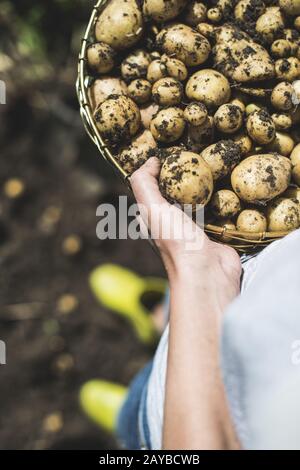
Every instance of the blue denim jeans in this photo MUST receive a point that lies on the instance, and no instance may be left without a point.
(132, 425)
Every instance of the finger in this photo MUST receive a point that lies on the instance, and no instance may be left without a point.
(145, 185)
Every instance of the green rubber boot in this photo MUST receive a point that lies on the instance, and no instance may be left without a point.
(101, 401)
(121, 291)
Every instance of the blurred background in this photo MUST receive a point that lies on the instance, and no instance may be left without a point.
(51, 181)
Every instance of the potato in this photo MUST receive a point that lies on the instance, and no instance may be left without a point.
(228, 118)
(281, 48)
(195, 13)
(118, 118)
(168, 125)
(156, 70)
(260, 127)
(195, 114)
(100, 57)
(270, 23)
(225, 203)
(140, 91)
(102, 88)
(133, 157)
(297, 23)
(147, 114)
(162, 10)
(208, 86)
(252, 221)
(238, 57)
(167, 92)
(249, 10)
(239, 100)
(174, 67)
(282, 121)
(199, 137)
(222, 157)
(283, 215)
(244, 142)
(185, 178)
(120, 25)
(214, 15)
(184, 43)
(292, 36)
(135, 65)
(290, 7)
(282, 96)
(295, 159)
(287, 69)
(282, 144)
(262, 177)
(206, 29)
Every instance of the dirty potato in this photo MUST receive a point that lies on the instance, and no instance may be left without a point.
(167, 92)
(168, 125)
(222, 157)
(134, 156)
(120, 25)
(208, 86)
(283, 215)
(225, 203)
(228, 118)
(118, 118)
(295, 159)
(251, 221)
(185, 178)
(262, 177)
(184, 43)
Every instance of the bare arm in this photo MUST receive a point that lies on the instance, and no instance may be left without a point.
(202, 283)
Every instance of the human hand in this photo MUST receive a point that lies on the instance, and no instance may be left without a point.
(209, 264)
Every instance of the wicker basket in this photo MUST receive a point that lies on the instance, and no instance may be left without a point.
(243, 242)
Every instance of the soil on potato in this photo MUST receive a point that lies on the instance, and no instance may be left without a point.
(50, 354)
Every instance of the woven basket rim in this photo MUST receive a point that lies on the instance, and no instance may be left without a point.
(242, 241)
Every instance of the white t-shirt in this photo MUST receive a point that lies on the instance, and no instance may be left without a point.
(269, 303)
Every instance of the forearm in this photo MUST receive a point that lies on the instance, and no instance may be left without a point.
(196, 415)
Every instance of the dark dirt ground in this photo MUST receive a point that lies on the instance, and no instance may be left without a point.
(50, 354)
